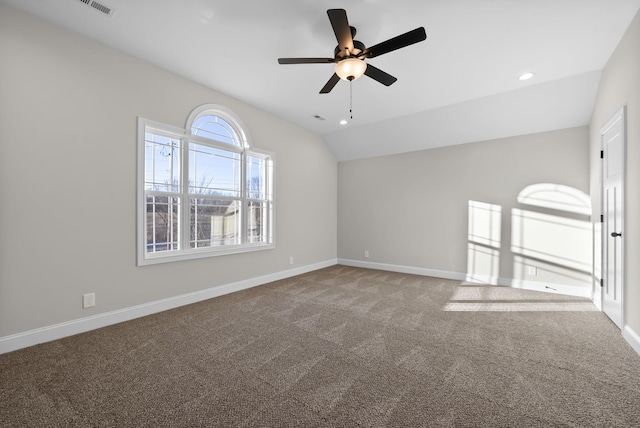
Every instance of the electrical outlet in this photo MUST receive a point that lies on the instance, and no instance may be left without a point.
(88, 300)
(291, 260)
(366, 254)
(532, 270)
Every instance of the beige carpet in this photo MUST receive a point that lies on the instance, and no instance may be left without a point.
(339, 347)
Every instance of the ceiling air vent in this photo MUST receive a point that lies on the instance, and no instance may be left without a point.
(100, 7)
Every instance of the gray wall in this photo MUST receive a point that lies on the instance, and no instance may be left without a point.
(620, 86)
(68, 110)
(455, 210)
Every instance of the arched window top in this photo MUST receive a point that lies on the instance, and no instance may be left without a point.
(219, 124)
(215, 128)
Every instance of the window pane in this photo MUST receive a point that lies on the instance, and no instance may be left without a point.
(205, 192)
(257, 222)
(215, 128)
(163, 218)
(256, 178)
(213, 171)
(215, 222)
(162, 163)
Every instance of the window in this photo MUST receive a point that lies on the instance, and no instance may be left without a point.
(202, 191)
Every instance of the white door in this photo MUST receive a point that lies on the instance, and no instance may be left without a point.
(613, 158)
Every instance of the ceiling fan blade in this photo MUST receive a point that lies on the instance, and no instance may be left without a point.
(330, 84)
(305, 60)
(379, 75)
(401, 41)
(340, 24)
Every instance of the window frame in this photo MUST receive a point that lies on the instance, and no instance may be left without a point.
(186, 138)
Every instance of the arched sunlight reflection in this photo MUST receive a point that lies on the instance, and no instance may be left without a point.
(557, 197)
(554, 246)
(550, 248)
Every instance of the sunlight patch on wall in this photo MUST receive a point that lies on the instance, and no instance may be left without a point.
(484, 223)
(551, 272)
(484, 237)
(550, 241)
(483, 264)
(556, 196)
(559, 240)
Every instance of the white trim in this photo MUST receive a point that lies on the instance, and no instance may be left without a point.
(225, 113)
(619, 116)
(70, 328)
(143, 258)
(547, 287)
(193, 254)
(459, 276)
(168, 131)
(404, 269)
(632, 338)
(596, 298)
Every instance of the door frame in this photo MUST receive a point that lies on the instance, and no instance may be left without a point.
(620, 115)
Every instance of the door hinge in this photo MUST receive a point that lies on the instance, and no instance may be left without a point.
(601, 282)
(601, 154)
(601, 218)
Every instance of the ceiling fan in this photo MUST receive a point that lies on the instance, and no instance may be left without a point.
(350, 54)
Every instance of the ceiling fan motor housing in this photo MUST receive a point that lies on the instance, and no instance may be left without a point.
(358, 48)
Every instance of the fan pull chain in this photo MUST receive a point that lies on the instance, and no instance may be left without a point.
(351, 97)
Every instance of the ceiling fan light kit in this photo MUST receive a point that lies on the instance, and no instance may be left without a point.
(351, 68)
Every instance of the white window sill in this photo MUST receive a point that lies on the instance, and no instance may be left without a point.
(176, 256)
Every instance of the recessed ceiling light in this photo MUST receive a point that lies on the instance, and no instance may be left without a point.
(526, 76)
(343, 122)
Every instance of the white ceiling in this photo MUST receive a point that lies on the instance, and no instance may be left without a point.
(460, 85)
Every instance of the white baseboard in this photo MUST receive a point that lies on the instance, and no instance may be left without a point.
(632, 338)
(547, 287)
(485, 279)
(404, 269)
(70, 328)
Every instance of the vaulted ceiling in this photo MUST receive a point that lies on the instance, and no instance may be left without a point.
(460, 85)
